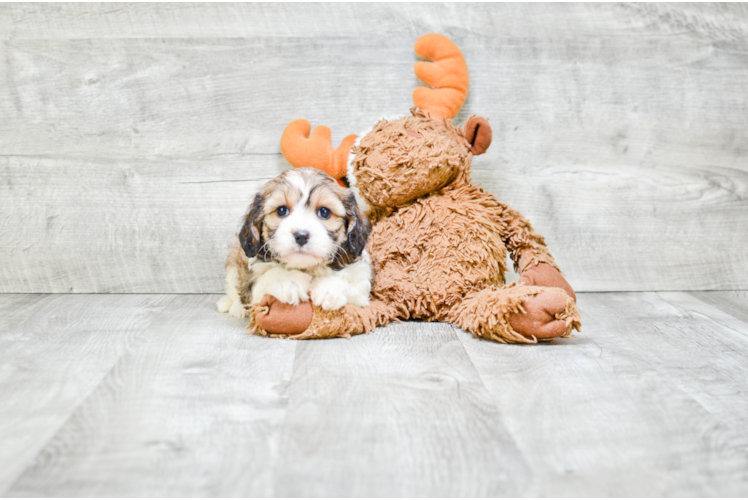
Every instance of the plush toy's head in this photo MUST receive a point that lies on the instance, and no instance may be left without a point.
(404, 159)
(400, 160)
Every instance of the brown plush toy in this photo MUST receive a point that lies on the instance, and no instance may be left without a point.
(438, 243)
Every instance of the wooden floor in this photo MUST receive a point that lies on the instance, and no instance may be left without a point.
(155, 395)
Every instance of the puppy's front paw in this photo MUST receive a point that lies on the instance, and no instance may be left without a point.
(329, 293)
(224, 304)
(291, 289)
(237, 309)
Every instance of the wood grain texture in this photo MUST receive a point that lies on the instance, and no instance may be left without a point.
(134, 395)
(649, 400)
(398, 413)
(118, 226)
(54, 351)
(227, 20)
(196, 410)
(618, 130)
(733, 303)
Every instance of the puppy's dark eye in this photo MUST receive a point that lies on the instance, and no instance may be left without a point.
(323, 213)
(282, 211)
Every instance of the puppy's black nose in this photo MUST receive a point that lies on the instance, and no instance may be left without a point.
(301, 237)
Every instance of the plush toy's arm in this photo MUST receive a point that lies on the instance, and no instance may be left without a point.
(273, 318)
(526, 247)
(532, 259)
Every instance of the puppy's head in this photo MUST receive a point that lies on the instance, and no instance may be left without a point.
(304, 218)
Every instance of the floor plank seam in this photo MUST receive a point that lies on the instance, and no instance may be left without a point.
(284, 426)
(82, 402)
(742, 335)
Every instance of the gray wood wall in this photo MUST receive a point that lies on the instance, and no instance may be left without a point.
(132, 137)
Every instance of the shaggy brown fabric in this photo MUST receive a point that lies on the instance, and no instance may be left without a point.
(345, 322)
(439, 244)
(489, 313)
(429, 254)
(405, 159)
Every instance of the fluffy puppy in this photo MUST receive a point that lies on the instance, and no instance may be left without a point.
(303, 238)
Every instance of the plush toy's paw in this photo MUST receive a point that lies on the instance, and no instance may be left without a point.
(273, 318)
(293, 289)
(547, 276)
(329, 293)
(284, 319)
(548, 314)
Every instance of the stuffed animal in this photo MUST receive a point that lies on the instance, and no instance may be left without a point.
(439, 243)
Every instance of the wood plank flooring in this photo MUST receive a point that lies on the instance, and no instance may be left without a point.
(159, 395)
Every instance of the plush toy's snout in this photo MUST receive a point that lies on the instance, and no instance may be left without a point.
(400, 160)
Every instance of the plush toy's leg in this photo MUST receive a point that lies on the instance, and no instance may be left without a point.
(306, 321)
(517, 314)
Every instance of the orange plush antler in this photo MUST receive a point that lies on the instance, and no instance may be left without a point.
(304, 150)
(447, 76)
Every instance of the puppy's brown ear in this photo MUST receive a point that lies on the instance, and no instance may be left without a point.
(357, 228)
(478, 134)
(250, 236)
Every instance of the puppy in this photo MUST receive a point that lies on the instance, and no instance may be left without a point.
(303, 238)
